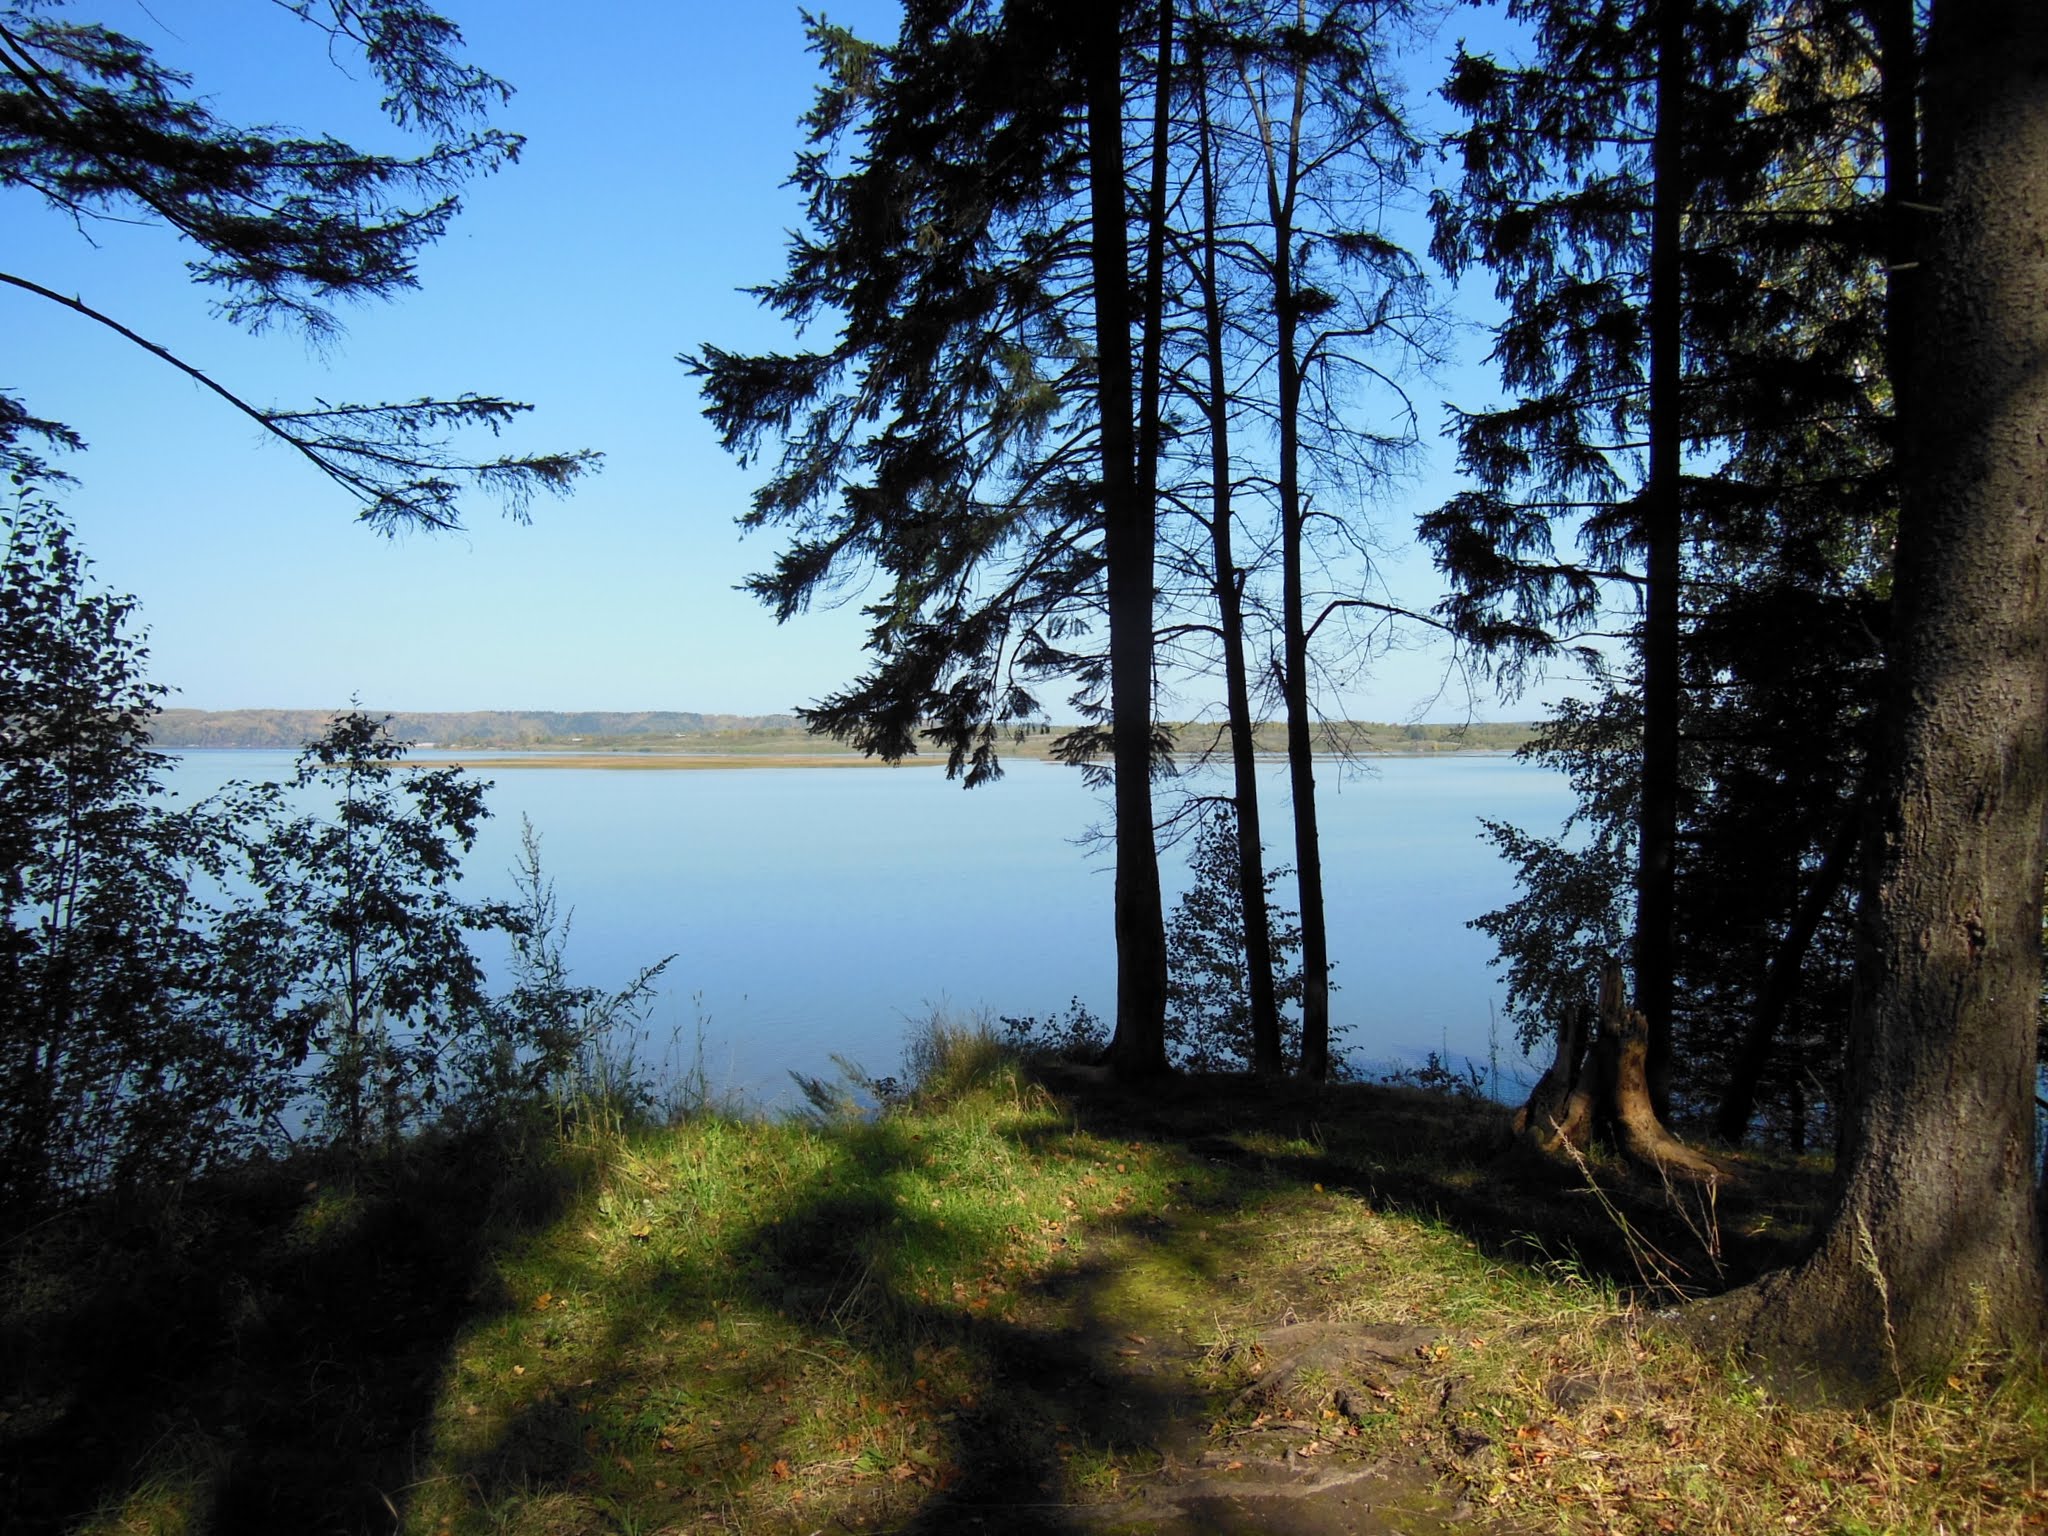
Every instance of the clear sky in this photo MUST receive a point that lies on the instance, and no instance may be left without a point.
(658, 139)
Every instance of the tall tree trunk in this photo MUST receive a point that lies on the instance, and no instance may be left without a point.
(1138, 1048)
(1283, 175)
(1301, 763)
(1934, 1244)
(1657, 829)
(1251, 853)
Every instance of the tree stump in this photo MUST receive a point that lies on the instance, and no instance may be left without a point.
(1609, 1092)
(1556, 1111)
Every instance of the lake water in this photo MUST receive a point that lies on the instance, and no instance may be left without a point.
(813, 911)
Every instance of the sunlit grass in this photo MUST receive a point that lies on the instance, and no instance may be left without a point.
(991, 1292)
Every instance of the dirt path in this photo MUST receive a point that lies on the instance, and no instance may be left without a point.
(1285, 1431)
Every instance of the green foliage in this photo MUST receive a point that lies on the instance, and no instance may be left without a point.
(943, 250)
(354, 942)
(1078, 1035)
(1209, 1017)
(112, 1064)
(1577, 893)
(1436, 1075)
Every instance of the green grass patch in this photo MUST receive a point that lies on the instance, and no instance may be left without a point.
(998, 1294)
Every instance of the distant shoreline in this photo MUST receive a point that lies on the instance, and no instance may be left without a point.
(672, 739)
(658, 761)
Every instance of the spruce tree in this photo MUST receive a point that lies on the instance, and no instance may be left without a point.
(1779, 388)
(284, 228)
(970, 434)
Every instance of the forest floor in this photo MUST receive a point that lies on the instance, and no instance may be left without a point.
(1018, 1303)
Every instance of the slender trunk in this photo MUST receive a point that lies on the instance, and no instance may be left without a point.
(1282, 180)
(1657, 829)
(1138, 1049)
(1781, 979)
(1251, 857)
(1301, 766)
(1934, 1247)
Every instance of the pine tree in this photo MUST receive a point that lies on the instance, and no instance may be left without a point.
(285, 228)
(1779, 385)
(971, 433)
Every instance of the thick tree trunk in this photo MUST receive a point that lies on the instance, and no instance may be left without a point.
(1251, 853)
(1138, 1048)
(1934, 1246)
(1657, 828)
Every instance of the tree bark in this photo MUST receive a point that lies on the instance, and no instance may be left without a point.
(1560, 1110)
(1138, 1048)
(1251, 853)
(1934, 1246)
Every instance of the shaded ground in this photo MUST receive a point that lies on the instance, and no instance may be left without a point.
(1019, 1307)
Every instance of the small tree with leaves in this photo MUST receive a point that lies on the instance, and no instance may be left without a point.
(548, 1033)
(112, 1060)
(354, 942)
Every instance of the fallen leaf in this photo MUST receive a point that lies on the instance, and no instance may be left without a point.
(781, 1468)
(518, 1370)
(542, 1302)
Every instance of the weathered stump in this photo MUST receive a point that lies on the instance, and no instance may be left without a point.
(1557, 1111)
(1609, 1092)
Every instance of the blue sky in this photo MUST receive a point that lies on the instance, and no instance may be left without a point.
(658, 136)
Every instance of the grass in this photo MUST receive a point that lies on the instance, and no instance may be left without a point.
(1004, 1294)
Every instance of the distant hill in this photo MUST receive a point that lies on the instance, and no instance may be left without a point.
(290, 729)
(687, 732)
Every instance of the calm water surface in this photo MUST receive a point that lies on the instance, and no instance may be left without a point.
(814, 910)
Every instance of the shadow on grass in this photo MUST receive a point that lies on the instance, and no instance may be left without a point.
(1007, 1398)
(1451, 1158)
(836, 1356)
(260, 1356)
